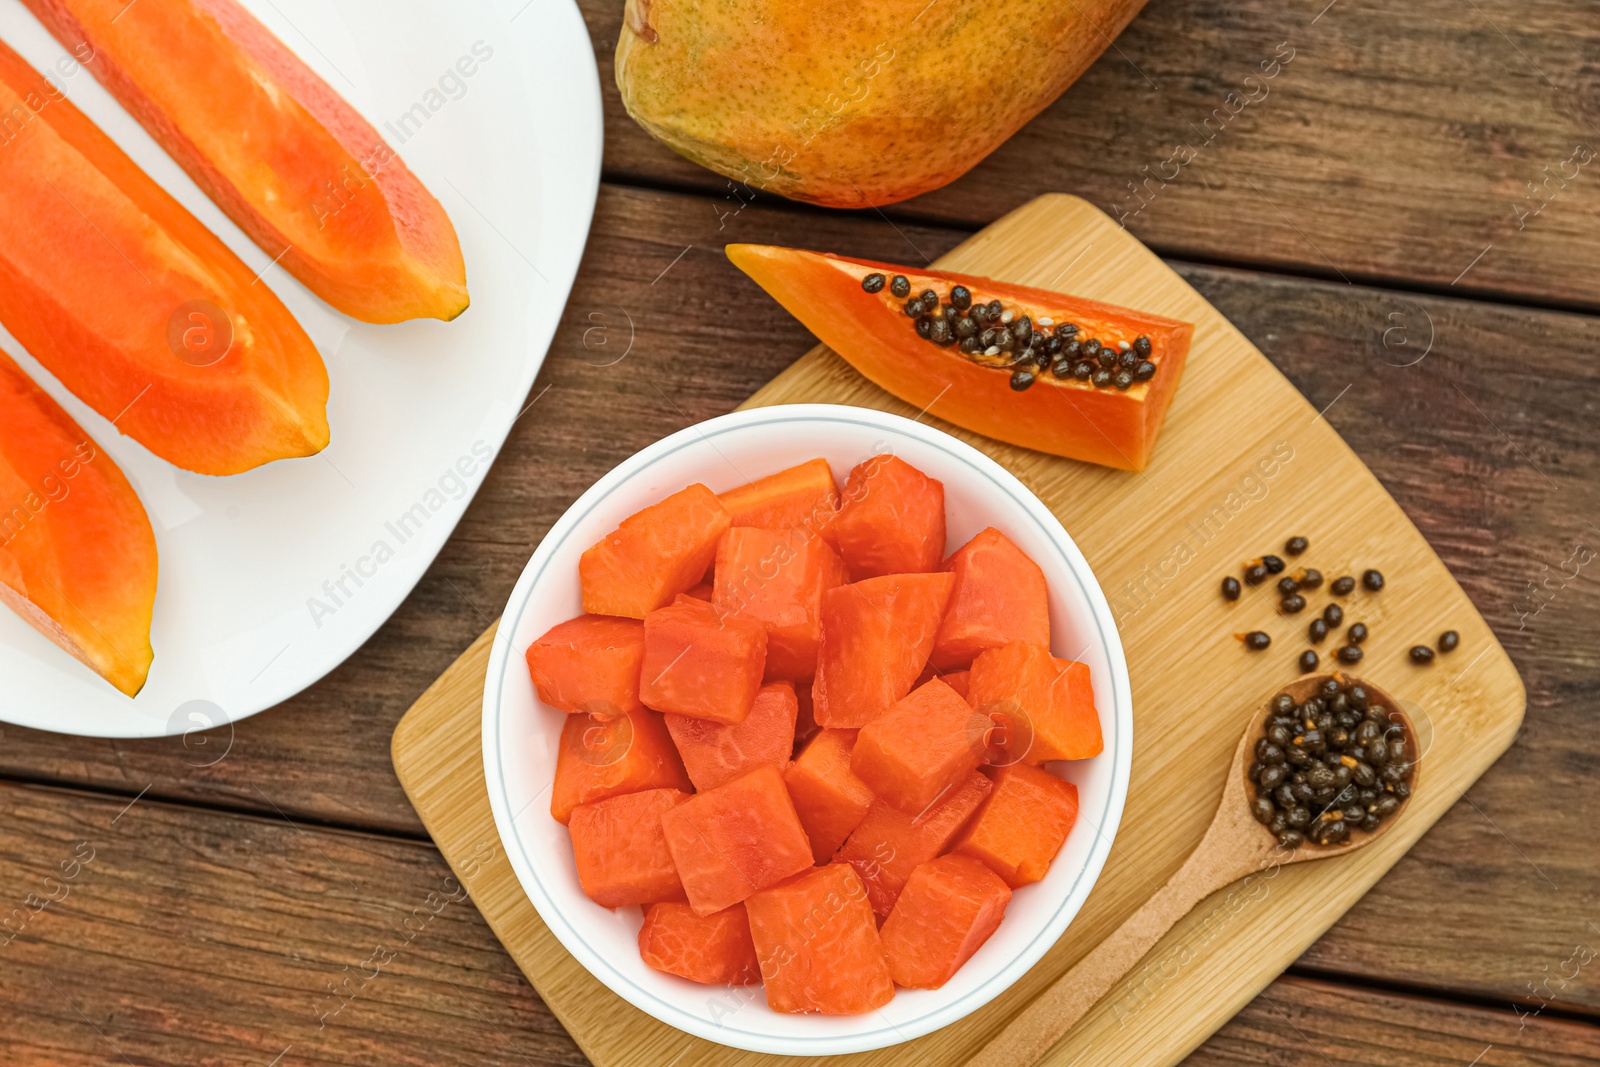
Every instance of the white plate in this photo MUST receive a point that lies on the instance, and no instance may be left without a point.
(244, 618)
(520, 734)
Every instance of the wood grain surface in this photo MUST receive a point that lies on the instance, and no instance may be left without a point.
(1403, 149)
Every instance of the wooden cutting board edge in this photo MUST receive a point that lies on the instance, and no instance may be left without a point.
(437, 756)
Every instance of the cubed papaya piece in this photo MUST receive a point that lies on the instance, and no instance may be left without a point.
(889, 844)
(923, 746)
(778, 578)
(805, 723)
(711, 949)
(999, 597)
(803, 497)
(701, 662)
(959, 681)
(830, 800)
(590, 663)
(621, 850)
(654, 555)
(890, 521)
(946, 912)
(1044, 706)
(1023, 824)
(602, 756)
(876, 636)
(715, 752)
(818, 944)
(738, 838)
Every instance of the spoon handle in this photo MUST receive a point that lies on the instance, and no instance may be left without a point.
(1031, 1033)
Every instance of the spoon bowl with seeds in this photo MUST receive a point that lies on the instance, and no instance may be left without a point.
(1305, 810)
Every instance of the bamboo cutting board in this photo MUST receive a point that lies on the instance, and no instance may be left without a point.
(1243, 463)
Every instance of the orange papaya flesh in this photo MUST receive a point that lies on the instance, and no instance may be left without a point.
(736, 839)
(818, 944)
(602, 756)
(876, 636)
(890, 520)
(830, 800)
(77, 554)
(590, 663)
(919, 749)
(958, 680)
(135, 306)
(621, 851)
(890, 844)
(701, 662)
(803, 497)
(714, 752)
(1023, 824)
(805, 722)
(1063, 416)
(286, 157)
(946, 912)
(1043, 707)
(778, 578)
(999, 597)
(654, 555)
(713, 949)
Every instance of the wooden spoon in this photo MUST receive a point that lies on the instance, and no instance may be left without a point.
(1234, 846)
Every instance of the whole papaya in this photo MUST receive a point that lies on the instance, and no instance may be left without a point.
(851, 103)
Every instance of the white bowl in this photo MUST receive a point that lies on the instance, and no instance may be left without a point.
(520, 733)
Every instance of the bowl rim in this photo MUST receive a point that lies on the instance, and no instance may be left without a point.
(1119, 737)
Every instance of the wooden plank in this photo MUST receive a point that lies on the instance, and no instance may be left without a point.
(196, 937)
(1389, 144)
(706, 339)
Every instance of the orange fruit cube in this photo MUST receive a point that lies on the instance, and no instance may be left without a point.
(713, 949)
(621, 851)
(890, 521)
(602, 756)
(959, 681)
(921, 747)
(1023, 824)
(890, 844)
(590, 663)
(700, 662)
(778, 578)
(803, 497)
(654, 555)
(999, 597)
(738, 838)
(830, 800)
(876, 636)
(715, 752)
(1043, 705)
(946, 912)
(818, 944)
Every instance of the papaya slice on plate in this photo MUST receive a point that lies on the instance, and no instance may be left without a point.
(77, 555)
(288, 159)
(1014, 363)
(134, 305)
(712, 949)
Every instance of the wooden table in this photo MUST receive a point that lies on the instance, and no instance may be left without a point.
(1369, 223)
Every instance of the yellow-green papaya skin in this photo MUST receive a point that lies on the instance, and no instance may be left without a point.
(851, 103)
